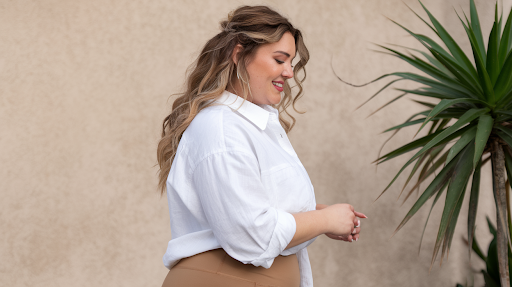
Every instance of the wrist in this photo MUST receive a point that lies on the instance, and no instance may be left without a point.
(322, 221)
(320, 206)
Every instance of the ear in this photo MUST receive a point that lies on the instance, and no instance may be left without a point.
(234, 55)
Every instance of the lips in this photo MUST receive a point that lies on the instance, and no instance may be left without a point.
(278, 85)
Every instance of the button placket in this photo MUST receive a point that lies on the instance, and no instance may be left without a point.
(278, 132)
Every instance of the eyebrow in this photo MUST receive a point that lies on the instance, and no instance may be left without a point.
(284, 53)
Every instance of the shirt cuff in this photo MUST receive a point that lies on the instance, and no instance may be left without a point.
(282, 236)
(286, 222)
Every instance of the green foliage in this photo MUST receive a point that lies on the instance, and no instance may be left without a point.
(491, 271)
(474, 109)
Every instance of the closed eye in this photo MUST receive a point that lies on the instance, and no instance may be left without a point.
(281, 62)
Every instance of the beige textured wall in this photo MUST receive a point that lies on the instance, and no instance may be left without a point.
(84, 88)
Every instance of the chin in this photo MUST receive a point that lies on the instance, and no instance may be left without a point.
(275, 100)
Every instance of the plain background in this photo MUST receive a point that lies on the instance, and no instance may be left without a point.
(85, 86)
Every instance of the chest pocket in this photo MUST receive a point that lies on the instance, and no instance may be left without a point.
(290, 186)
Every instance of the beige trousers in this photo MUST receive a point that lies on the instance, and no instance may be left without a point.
(215, 268)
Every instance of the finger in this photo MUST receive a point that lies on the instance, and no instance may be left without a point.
(360, 215)
(348, 238)
(356, 237)
(356, 222)
(336, 237)
(356, 231)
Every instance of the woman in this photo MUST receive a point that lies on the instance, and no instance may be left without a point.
(241, 203)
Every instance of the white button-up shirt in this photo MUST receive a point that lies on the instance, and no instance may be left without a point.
(233, 184)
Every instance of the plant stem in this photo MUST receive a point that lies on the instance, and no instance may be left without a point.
(507, 184)
(498, 174)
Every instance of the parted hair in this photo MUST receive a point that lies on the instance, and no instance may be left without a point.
(214, 68)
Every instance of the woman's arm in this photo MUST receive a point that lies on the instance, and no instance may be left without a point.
(337, 220)
(309, 224)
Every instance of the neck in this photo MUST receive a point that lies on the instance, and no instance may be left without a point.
(235, 87)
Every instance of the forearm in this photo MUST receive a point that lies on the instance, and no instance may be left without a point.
(309, 224)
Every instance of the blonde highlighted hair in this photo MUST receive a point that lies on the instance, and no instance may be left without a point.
(212, 71)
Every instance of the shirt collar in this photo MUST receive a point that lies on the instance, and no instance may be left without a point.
(257, 114)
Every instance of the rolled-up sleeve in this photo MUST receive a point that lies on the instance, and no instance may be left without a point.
(240, 210)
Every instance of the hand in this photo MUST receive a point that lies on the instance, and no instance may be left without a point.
(348, 220)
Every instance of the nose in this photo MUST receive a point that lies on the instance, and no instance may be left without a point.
(287, 72)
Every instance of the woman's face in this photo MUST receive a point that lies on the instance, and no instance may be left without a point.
(269, 68)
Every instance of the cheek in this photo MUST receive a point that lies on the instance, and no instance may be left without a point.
(273, 70)
(264, 71)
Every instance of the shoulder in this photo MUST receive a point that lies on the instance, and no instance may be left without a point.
(219, 128)
(208, 123)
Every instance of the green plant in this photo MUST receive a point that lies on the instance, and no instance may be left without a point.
(491, 272)
(477, 99)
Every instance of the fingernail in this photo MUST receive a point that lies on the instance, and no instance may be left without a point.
(352, 240)
(357, 239)
(354, 230)
(358, 223)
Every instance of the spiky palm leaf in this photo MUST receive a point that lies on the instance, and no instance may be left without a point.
(478, 98)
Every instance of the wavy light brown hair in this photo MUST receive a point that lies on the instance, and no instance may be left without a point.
(214, 69)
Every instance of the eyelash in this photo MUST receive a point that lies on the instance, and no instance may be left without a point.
(281, 62)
